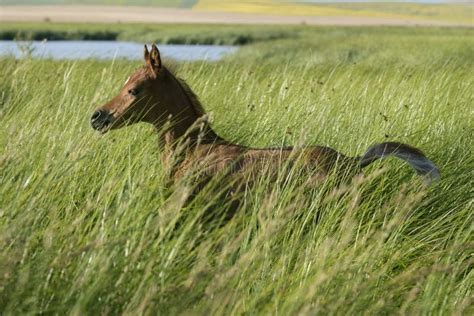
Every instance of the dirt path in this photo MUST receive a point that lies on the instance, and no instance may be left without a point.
(110, 14)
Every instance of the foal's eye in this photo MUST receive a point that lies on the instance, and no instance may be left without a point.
(133, 92)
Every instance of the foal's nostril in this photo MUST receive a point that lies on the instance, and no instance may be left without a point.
(100, 119)
(96, 115)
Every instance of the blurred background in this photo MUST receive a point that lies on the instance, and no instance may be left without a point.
(38, 21)
(398, 12)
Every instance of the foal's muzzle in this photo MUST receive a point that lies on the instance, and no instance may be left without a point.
(101, 120)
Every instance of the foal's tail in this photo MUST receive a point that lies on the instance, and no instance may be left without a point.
(413, 156)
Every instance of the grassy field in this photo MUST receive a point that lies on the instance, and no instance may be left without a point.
(88, 224)
(160, 3)
(451, 12)
(459, 12)
(161, 34)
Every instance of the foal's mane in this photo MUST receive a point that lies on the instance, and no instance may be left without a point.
(197, 108)
(189, 93)
(192, 97)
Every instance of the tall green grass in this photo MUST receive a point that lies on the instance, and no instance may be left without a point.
(161, 34)
(88, 224)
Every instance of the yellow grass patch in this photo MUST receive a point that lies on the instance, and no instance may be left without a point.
(447, 12)
(272, 7)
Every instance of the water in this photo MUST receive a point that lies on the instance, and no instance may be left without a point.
(109, 50)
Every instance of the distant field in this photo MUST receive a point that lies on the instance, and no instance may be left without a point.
(89, 224)
(461, 13)
(178, 34)
(162, 3)
(447, 12)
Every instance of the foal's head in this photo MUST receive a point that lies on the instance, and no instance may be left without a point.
(151, 94)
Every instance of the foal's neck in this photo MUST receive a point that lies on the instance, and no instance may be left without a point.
(187, 117)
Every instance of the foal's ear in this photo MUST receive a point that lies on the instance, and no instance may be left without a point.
(146, 54)
(153, 60)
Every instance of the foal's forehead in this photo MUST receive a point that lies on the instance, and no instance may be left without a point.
(139, 75)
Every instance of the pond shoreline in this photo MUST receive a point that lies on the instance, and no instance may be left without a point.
(171, 34)
(76, 50)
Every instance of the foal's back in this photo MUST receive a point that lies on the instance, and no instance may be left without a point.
(212, 159)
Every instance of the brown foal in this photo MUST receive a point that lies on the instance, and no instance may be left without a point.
(153, 94)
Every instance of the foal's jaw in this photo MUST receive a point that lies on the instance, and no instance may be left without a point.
(108, 118)
(109, 122)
